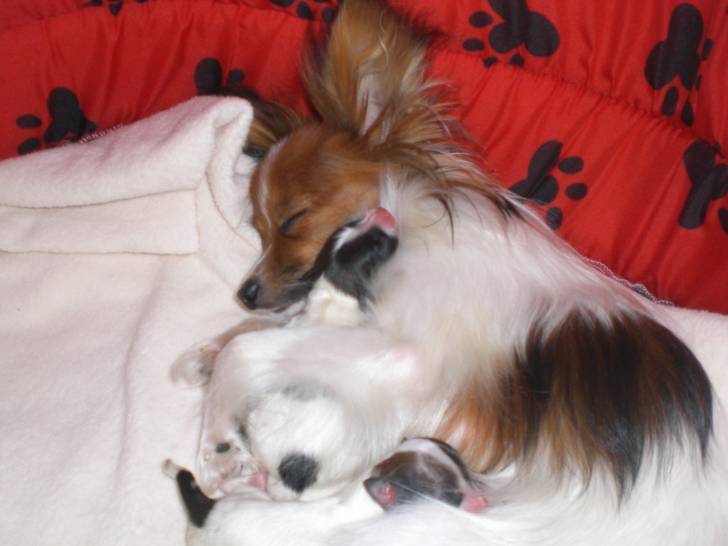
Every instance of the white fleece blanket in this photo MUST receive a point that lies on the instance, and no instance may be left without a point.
(117, 255)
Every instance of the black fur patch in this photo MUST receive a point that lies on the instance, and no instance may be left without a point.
(413, 476)
(611, 392)
(350, 267)
(298, 471)
(454, 456)
(198, 504)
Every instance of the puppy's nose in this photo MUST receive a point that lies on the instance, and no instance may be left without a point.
(248, 293)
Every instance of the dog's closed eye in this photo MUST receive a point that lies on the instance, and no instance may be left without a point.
(288, 224)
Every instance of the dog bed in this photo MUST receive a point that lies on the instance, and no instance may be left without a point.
(609, 117)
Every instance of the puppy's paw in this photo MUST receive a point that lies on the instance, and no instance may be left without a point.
(194, 366)
(220, 459)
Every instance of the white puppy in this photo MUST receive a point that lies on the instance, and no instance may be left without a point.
(420, 471)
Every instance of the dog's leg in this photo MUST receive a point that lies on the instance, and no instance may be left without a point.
(223, 460)
(194, 366)
(197, 504)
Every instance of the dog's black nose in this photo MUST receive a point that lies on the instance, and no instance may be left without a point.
(248, 293)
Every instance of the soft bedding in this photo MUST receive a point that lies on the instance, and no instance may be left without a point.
(103, 285)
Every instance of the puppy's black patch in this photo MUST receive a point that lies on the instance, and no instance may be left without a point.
(302, 391)
(353, 264)
(407, 477)
(243, 433)
(198, 504)
(350, 267)
(454, 456)
(298, 471)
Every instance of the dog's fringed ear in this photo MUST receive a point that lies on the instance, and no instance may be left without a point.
(370, 74)
(271, 123)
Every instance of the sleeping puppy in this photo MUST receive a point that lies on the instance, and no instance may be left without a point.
(420, 471)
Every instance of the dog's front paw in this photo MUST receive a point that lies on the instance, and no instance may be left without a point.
(194, 366)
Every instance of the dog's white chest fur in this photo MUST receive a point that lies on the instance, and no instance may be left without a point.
(239, 521)
(328, 305)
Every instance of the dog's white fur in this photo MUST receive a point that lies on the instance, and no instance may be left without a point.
(240, 520)
(250, 517)
(291, 388)
(346, 395)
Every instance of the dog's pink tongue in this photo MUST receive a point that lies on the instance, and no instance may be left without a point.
(382, 218)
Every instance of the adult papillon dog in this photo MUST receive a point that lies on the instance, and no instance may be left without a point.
(589, 408)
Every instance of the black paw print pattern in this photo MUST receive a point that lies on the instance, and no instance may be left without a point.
(114, 5)
(208, 79)
(68, 122)
(519, 27)
(304, 10)
(541, 187)
(679, 56)
(708, 180)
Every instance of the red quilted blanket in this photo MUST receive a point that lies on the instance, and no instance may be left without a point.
(611, 117)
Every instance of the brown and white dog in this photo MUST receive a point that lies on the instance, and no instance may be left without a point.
(535, 366)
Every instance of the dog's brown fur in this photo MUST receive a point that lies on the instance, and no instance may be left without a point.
(376, 111)
(587, 394)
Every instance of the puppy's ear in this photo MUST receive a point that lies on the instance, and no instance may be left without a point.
(271, 123)
(370, 75)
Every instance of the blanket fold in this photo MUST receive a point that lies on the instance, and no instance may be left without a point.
(117, 255)
(134, 190)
